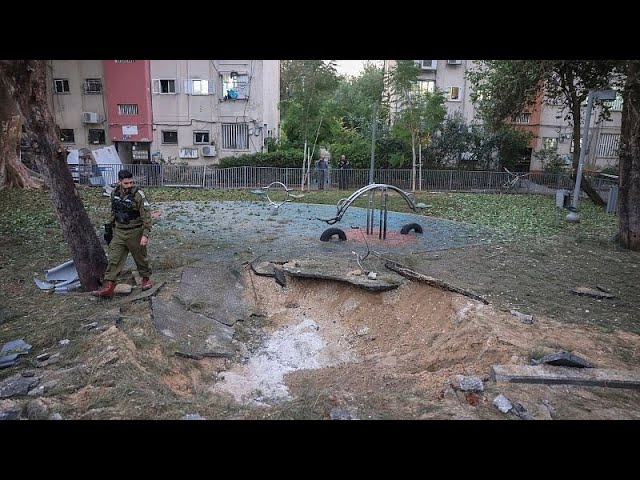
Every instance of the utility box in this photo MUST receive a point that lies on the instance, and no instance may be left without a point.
(563, 198)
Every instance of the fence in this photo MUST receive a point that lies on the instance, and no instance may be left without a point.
(349, 179)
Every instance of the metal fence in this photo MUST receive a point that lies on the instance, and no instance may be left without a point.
(348, 179)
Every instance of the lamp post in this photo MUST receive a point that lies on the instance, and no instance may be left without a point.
(573, 215)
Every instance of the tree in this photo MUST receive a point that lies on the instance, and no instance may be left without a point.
(23, 100)
(629, 194)
(502, 88)
(420, 112)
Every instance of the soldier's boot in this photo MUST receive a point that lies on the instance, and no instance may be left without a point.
(146, 283)
(106, 291)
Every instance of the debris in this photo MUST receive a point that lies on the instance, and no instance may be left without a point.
(590, 292)
(122, 289)
(524, 318)
(502, 403)
(372, 275)
(10, 351)
(467, 384)
(65, 277)
(522, 412)
(565, 359)
(339, 413)
(17, 385)
(549, 375)
(64, 342)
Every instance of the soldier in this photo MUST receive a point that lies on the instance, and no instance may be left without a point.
(131, 222)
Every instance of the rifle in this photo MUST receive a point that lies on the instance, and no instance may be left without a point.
(108, 233)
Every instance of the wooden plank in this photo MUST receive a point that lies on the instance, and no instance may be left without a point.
(550, 375)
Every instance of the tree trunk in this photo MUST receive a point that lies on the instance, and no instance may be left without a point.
(629, 194)
(25, 83)
(12, 172)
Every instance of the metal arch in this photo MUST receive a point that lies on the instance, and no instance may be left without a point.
(343, 204)
(286, 189)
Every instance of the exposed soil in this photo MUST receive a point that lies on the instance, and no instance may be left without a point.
(326, 346)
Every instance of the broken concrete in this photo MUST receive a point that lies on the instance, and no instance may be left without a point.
(550, 375)
(195, 335)
(565, 359)
(216, 291)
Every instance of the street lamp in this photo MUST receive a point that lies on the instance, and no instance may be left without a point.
(573, 215)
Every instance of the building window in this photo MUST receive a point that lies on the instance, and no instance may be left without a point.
(235, 136)
(198, 87)
(93, 86)
(550, 143)
(96, 136)
(428, 64)
(201, 138)
(170, 137)
(164, 86)
(127, 109)
(235, 86)
(423, 86)
(608, 144)
(67, 135)
(453, 94)
(521, 118)
(124, 61)
(61, 85)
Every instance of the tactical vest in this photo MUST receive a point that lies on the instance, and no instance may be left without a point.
(122, 206)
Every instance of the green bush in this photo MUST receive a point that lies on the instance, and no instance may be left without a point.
(282, 159)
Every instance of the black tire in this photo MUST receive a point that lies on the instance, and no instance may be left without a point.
(411, 226)
(330, 232)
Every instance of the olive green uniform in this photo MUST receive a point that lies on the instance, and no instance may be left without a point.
(126, 236)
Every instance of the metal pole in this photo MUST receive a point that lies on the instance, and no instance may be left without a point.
(583, 150)
(373, 145)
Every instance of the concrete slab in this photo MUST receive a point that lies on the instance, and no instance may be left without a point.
(216, 291)
(195, 335)
(547, 374)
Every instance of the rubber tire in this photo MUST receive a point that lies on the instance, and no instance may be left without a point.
(411, 226)
(330, 232)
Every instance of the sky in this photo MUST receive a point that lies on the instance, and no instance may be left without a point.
(350, 67)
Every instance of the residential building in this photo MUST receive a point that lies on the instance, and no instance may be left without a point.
(545, 121)
(176, 111)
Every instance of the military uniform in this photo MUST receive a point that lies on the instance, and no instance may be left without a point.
(131, 219)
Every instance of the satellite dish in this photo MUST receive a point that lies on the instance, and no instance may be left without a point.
(233, 94)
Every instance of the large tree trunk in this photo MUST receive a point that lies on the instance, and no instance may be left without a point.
(12, 172)
(629, 194)
(25, 83)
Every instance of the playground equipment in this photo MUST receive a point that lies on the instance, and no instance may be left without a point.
(344, 203)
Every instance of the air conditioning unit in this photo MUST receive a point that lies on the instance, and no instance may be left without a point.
(91, 117)
(454, 62)
(209, 151)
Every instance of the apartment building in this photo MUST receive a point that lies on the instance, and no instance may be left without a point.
(545, 121)
(192, 112)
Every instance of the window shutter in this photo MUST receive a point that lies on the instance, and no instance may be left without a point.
(156, 85)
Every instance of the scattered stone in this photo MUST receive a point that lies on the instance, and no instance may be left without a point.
(590, 292)
(43, 356)
(36, 392)
(468, 384)
(523, 317)
(362, 331)
(55, 416)
(372, 275)
(193, 416)
(292, 305)
(339, 413)
(12, 414)
(50, 385)
(122, 289)
(502, 403)
(565, 359)
(28, 373)
(64, 342)
(17, 385)
(36, 410)
(522, 412)
(90, 326)
(55, 358)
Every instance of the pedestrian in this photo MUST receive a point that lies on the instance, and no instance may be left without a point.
(322, 168)
(131, 223)
(343, 164)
